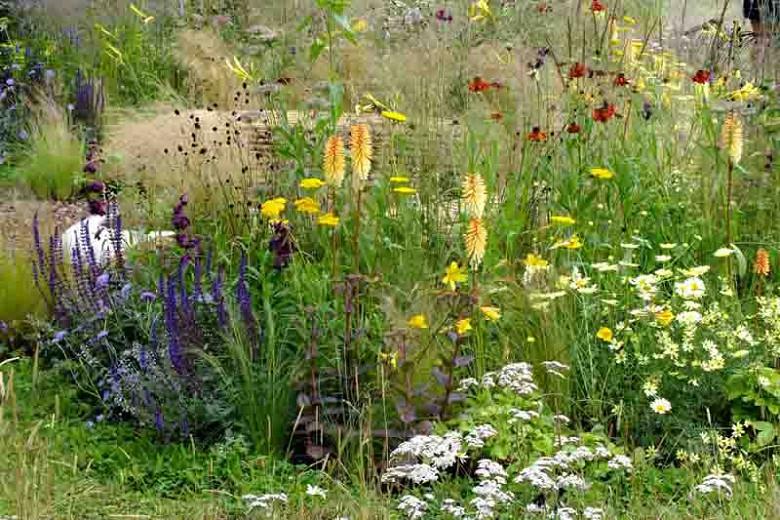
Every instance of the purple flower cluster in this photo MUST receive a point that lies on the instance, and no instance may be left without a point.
(181, 223)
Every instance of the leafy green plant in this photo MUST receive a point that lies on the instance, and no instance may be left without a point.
(51, 165)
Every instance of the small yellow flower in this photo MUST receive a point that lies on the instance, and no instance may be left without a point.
(399, 180)
(563, 220)
(390, 358)
(404, 190)
(272, 209)
(573, 242)
(453, 275)
(359, 25)
(307, 205)
(664, 317)
(329, 219)
(393, 116)
(601, 173)
(535, 261)
(605, 334)
(418, 321)
(462, 326)
(311, 183)
(491, 313)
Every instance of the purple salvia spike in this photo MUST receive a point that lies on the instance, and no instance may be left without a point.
(172, 328)
(218, 298)
(197, 289)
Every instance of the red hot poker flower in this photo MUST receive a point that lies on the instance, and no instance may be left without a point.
(578, 70)
(604, 113)
(536, 135)
(701, 77)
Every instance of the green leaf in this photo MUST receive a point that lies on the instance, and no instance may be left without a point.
(343, 22)
(766, 432)
(317, 46)
(741, 262)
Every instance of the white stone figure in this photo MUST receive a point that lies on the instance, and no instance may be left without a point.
(100, 238)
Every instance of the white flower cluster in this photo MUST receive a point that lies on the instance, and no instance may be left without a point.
(517, 377)
(518, 415)
(412, 507)
(417, 473)
(720, 484)
(554, 368)
(441, 451)
(316, 491)
(264, 501)
(436, 452)
(490, 492)
(476, 438)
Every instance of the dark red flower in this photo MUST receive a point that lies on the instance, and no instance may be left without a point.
(621, 80)
(536, 135)
(578, 70)
(701, 77)
(543, 7)
(479, 85)
(496, 116)
(604, 113)
(443, 15)
(596, 6)
(573, 128)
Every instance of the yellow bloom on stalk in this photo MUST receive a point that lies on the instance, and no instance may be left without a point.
(329, 219)
(601, 173)
(664, 317)
(399, 180)
(535, 261)
(361, 150)
(474, 194)
(418, 321)
(311, 183)
(479, 11)
(563, 220)
(453, 275)
(333, 163)
(491, 313)
(393, 116)
(476, 241)
(462, 326)
(307, 205)
(573, 242)
(605, 334)
(731, 137)
(272, 209)
(405, 190)
(746, 93)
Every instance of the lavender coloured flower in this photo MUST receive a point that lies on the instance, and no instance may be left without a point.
(101, 282)
(159, 422)
(218, 298)
(148, 296)
(59, 336)
(175, 352)
(245, 300)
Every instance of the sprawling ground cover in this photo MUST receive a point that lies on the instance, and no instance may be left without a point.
(388, 259)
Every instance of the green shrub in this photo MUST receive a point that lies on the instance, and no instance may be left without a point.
(17, 300)
(52, 163)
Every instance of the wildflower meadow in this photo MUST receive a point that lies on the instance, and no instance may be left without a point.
(392, 259)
